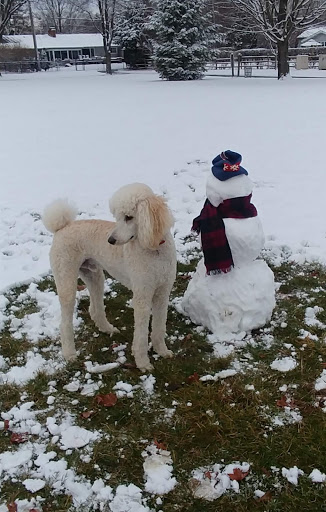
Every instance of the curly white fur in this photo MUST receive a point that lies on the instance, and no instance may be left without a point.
(58, 214)
(126, 199)
(142, 258)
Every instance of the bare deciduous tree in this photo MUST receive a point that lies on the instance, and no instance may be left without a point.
(8, 8)
(102, 14)
(107, 10)
(66, 16)
(279, 19)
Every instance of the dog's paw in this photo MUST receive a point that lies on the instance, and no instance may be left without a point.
(114, 330)
(144, 366)
(70, 356)
(109, 329)
(167, 354)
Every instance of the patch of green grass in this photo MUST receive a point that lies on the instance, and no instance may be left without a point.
(212, 421)
(11, 347)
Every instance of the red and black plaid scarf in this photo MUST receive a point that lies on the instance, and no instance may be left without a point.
(216, 249)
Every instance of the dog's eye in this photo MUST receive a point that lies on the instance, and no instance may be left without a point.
(127, 218)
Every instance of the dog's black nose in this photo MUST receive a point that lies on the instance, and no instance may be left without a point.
(112, 240)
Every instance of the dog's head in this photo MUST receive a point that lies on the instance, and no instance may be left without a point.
(139, 214)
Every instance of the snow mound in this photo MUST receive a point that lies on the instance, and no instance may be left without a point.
(210, 483)
(44, 323)
(292, 474)
(147, 384)
(34, 364)
(317, 476)
(311, 317)
(77, 437)
(71, 436)
(100, 368)
(321, 381)
(128, 498)
(287, 417)
(158, 471)
(17, 461)
(33, 484)
(3, 305)
(123, 389)
(223, 374)
(227, 304)
(284, 364)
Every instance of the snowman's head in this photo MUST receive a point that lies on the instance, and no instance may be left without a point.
(227, 165)
(227, 179)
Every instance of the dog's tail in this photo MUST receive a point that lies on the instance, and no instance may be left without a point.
(58, 214)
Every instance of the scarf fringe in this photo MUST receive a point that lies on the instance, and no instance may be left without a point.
(219, 271)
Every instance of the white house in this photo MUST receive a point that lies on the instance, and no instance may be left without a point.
(313, 37)
(55, 46)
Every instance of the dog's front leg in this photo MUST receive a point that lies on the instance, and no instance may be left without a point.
(142, 312)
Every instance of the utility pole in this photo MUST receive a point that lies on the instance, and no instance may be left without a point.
(37, 57)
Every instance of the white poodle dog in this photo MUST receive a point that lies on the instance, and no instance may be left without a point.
(138, 250)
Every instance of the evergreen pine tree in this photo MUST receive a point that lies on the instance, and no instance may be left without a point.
(182, 31)
(131, 33)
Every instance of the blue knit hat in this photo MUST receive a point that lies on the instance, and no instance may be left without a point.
(227, 165)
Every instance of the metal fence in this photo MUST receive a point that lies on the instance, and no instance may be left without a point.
(27, 66)
(242, 61)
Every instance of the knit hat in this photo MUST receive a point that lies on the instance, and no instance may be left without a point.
(227, 165)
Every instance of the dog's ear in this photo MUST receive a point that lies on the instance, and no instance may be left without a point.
(154, 219)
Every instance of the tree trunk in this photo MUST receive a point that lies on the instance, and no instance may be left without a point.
(283, 58)
(283, 46)
(108, 66)
(107, 55)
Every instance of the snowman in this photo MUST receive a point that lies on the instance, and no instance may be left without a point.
(232, 291)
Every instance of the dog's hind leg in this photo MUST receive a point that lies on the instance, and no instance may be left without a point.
(66, 283)
(94, 280)
(159, 312)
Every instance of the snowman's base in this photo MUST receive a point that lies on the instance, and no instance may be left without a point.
(228, 304)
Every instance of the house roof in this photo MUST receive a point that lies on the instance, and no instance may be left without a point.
(312, 32)
(61, 41)
(311, 42)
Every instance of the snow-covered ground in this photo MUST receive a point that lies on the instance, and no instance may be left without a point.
(81, 134)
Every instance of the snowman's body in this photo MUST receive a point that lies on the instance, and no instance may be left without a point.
(245, 236)
(244, 298)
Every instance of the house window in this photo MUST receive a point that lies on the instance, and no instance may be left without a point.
(114, 50)
(57, 54)
(73, 54)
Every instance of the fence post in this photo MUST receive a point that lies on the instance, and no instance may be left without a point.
(239, 63)
(232, 63)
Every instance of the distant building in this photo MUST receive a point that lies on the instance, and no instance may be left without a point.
(60, 47)
(312, 37)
